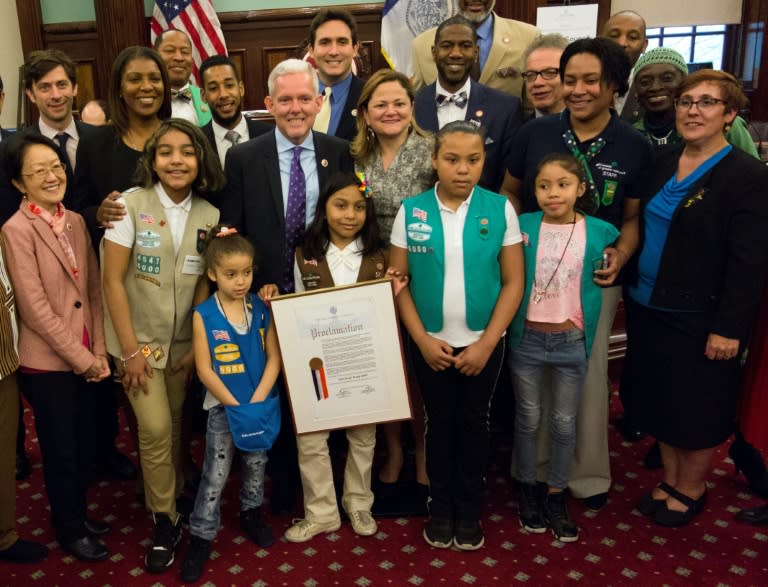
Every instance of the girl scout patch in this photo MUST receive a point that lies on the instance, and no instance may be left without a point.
(419, 232)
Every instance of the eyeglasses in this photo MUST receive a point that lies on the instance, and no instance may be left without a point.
(705, 103)
(42, 172)
(547, 74)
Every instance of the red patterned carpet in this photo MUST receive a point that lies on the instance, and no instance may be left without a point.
(617, 546)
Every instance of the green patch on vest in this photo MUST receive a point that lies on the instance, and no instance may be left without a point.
(148, 264)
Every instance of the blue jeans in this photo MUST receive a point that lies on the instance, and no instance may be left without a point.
(219, 451)
(565, 355)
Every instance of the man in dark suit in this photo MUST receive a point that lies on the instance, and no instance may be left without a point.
(273, 184)
(4, 134)
(223, 90)
(258, 171)
(51, 85)
(454, 96)
(333, 46)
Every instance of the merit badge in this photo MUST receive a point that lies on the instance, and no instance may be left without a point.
(609, 192)
(146, 351)
(201, 234)
(162, 223)
(158, 353)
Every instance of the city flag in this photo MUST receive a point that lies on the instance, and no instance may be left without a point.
(404, 20)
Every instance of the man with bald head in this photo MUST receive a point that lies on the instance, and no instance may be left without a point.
(175, 49)
(627, 28)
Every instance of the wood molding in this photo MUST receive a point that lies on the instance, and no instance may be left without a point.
(30, 25)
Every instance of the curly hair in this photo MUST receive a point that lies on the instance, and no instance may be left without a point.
(615, 65)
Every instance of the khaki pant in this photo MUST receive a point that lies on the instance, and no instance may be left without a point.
(591, 467)
(317, 474)
(158, 414)
(9, 421)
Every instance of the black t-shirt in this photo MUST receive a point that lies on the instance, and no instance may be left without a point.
(617, 169)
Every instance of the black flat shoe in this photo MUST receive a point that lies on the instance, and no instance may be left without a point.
(86, 548)
(755, 516)
(747, 459)
(97, 527)
(23, 551)
(595, 502)
(674, 519)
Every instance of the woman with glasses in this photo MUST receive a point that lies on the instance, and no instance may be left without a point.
(61, 334)
(693, 293)
(658, 74)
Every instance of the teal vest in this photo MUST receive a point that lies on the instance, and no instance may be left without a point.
(600, 234)
(481, 241)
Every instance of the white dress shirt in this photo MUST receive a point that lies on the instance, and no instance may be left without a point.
(74, 139)
(450, 112)
(223, 145)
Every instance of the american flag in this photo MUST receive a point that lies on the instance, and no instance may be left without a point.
(198, 19)
(420, 214)
(220, 335)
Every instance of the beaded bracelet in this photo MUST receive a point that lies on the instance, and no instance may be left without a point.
(124, 360)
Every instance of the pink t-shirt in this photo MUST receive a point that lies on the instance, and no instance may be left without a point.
(561, 300)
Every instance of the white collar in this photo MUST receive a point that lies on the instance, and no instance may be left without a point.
(347, 256)
(50, 132)
(443, 208)
(219, 131)
(166, 202)
(465, 88)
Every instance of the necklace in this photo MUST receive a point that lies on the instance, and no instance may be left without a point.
(234, 324)
(661, 140)
(538, 292)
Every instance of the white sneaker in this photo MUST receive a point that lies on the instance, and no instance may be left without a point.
(303, 530)
(363, 523)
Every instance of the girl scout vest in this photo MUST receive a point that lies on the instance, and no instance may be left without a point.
(481, 241)
(160, 283)
(317, 274)
(239, 361)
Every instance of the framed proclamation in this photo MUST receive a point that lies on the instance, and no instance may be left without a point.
(342, 356)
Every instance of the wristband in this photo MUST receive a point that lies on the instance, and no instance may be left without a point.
(124, 360)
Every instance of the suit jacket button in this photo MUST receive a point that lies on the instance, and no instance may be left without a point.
(78, 304)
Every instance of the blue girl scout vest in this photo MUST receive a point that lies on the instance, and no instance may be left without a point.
(482, 239)
(239, 361)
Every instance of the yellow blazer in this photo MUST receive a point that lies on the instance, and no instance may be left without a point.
(505, 59)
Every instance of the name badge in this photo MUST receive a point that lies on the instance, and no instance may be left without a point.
(193, 265)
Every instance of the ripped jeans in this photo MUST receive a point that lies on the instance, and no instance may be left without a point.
(564, 355)
(219, 450)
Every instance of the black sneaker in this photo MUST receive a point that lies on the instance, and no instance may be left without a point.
(468, 535)
(529, 508)
(160, 555)
(197, 556)
(252, 522)
(438, 532)
(556, 514)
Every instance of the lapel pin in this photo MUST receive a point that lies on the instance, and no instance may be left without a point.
(354, 112)
(203, 108)
(505, 40)
(69, 227)
(162, 223)
(324, 162)
(479, 113)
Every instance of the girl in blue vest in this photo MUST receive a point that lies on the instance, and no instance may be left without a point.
(553, 331)
(461, 245)
(238, 362)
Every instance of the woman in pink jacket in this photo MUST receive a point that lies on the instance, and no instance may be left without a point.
(61, 333)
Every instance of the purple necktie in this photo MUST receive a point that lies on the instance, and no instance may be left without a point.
(295, 217)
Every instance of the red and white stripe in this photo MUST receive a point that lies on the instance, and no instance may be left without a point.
(201, 23)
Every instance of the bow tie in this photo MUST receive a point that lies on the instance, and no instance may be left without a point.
(185, 94)
(459, 99)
